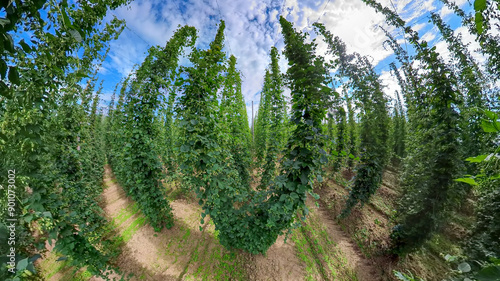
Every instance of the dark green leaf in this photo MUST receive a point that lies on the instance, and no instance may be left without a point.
(480, 5)
(489, 273)
(303, 178)
(25, 46)
(4, 233)
(13, 75)
(3, 68)
(34, 258)
(67, 22)
(8, 42)
(31, 268)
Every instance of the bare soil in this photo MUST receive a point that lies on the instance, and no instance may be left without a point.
(324, 248)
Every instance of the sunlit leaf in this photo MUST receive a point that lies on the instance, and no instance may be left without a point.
(470, 181)
(480, 5)
(477, 159)
(479, 22)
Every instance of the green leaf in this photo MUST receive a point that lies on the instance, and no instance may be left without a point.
(303, 178)
(491, 115)
(470, 181)
(490, 127)
(3, 68)
(9, 44)
(480, 5)
(320, 178)
(314, 195)
(28, 218)
(4, 21)
(34, 258)
(76, 35)
(477, 159)
(22, 264)
(31, 268)
(4, 233)
(66, 20)
(400, 276)
(489, 273)
(13, 75)
(450, 258)
(464, 267)
(479, 22)
(25, 46)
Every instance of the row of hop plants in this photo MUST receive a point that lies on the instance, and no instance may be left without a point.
(191, 121)
(50, 133)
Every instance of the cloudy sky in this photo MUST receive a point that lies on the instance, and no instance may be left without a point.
(252, 27)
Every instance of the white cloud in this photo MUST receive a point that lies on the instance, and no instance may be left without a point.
(252, 27)
(445, 11)
(391, 85)
(418, 27)
(429, 36)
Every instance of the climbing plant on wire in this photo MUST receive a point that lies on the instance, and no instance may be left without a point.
(39, 142)
(234, 118)
(367, 89)
(261, 127)
(247, 219)
(140, 170)
(471, 83)
(434, 158)
(275, 123)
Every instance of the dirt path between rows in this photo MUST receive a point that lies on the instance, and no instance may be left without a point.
(184, 252)
(365, 269)
(319, 250)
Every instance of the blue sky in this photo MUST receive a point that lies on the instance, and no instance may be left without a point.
(252, 27)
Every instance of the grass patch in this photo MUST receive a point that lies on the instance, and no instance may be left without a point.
(322, 257)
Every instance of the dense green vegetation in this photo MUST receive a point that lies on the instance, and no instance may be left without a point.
(188, 124)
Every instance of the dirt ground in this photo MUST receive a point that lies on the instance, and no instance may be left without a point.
(319, 250)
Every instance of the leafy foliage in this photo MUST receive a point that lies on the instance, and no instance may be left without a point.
(483, 243)
(430, 166)
(138, 166)
(50, 133)
(367, 88)
(233, 115)
(274, 124)
(247, 219)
